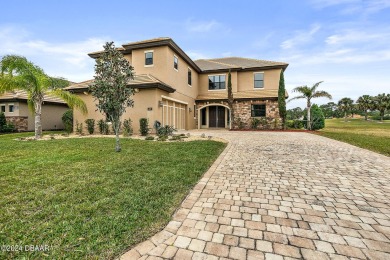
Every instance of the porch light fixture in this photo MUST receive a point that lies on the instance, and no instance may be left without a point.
(160, 104)
(189, 109)
(136, 90)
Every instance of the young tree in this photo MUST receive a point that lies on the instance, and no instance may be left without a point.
(365, 103)
(345, 105)
(308, 94)
(381, 103)
(110, 87)
(329, 109)
(17, 73)
(230, 99)
(282, 100)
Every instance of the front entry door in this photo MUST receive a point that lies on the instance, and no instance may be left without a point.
(216, 116)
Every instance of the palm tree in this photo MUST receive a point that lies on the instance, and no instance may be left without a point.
(365, 103)
(381, 103)
(17, 73)
(308, 94)
(345, 105)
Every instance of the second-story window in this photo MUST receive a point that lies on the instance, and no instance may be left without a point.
(11, 108)
(259, 80)
(189, 77)
(217, 82)
(3, 109)
(175, 63)
(149, 58)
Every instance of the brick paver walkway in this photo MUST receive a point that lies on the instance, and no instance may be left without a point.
(282, 196)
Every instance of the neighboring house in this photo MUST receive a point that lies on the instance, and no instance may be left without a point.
(14, 106)
(187, 94)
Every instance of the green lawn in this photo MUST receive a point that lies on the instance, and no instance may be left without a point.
(371, 135)
(84, 200)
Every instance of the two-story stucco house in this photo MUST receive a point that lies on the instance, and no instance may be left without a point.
(175, 90)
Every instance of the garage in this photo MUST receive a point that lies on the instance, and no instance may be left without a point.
(174, 113)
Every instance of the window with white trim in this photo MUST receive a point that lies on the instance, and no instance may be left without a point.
(149, 58)
(258, 80)
(217, 82)
(175, 63)
(189, 77)
(11, 108)
(3, 109)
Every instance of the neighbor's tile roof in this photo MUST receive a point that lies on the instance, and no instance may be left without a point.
(273, 93)
(236, 63)
(140, 79)
(21, 94)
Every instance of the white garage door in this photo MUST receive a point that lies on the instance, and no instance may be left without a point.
(174, 114)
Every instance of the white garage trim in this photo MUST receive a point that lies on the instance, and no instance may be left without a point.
(175, 100)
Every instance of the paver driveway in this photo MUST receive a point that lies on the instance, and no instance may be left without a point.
(282, 196)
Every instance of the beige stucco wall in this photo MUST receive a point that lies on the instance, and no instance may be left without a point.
(16, 108)
(144, 99)
(246, 79)
(51, 116)
(242, 81)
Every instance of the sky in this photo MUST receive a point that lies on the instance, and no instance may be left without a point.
(344, 43)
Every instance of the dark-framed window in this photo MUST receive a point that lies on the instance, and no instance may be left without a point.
(3, 109)
(175, 63)
(217, 82)
(149, 58)
(259, 80)
(189, 76)
(258, 110)
(11, 108)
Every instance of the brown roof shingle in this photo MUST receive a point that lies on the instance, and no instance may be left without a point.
(236, 63)
(22, 95)
(140, 81)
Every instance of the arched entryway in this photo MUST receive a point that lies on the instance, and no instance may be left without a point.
(214, 116)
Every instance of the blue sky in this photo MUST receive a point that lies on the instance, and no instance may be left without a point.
(345, 43)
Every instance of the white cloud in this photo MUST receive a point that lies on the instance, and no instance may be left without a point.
(66, 59)
(202, 26)
(348, 7)
(301, 37)
(196, 55)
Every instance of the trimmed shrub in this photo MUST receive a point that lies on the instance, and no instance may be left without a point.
(150, 138)
(67, 119)
(127, 127)
(144, 126)
(79, 128)
(3, 121)
(103, 127)
(90, 125)
(295, 124)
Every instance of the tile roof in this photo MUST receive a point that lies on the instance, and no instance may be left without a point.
(22, 95)
(218, 95)
(236, 63)
(140, 79)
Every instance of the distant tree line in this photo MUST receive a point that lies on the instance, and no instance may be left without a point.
(374, 107)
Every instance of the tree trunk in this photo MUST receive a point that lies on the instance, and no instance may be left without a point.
(38, 113)
(116, 123)
(382, 112)
(365, 115)
(345, 116)
(308, 116)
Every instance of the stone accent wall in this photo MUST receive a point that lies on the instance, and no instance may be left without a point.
(20, 122)
(242, 111)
